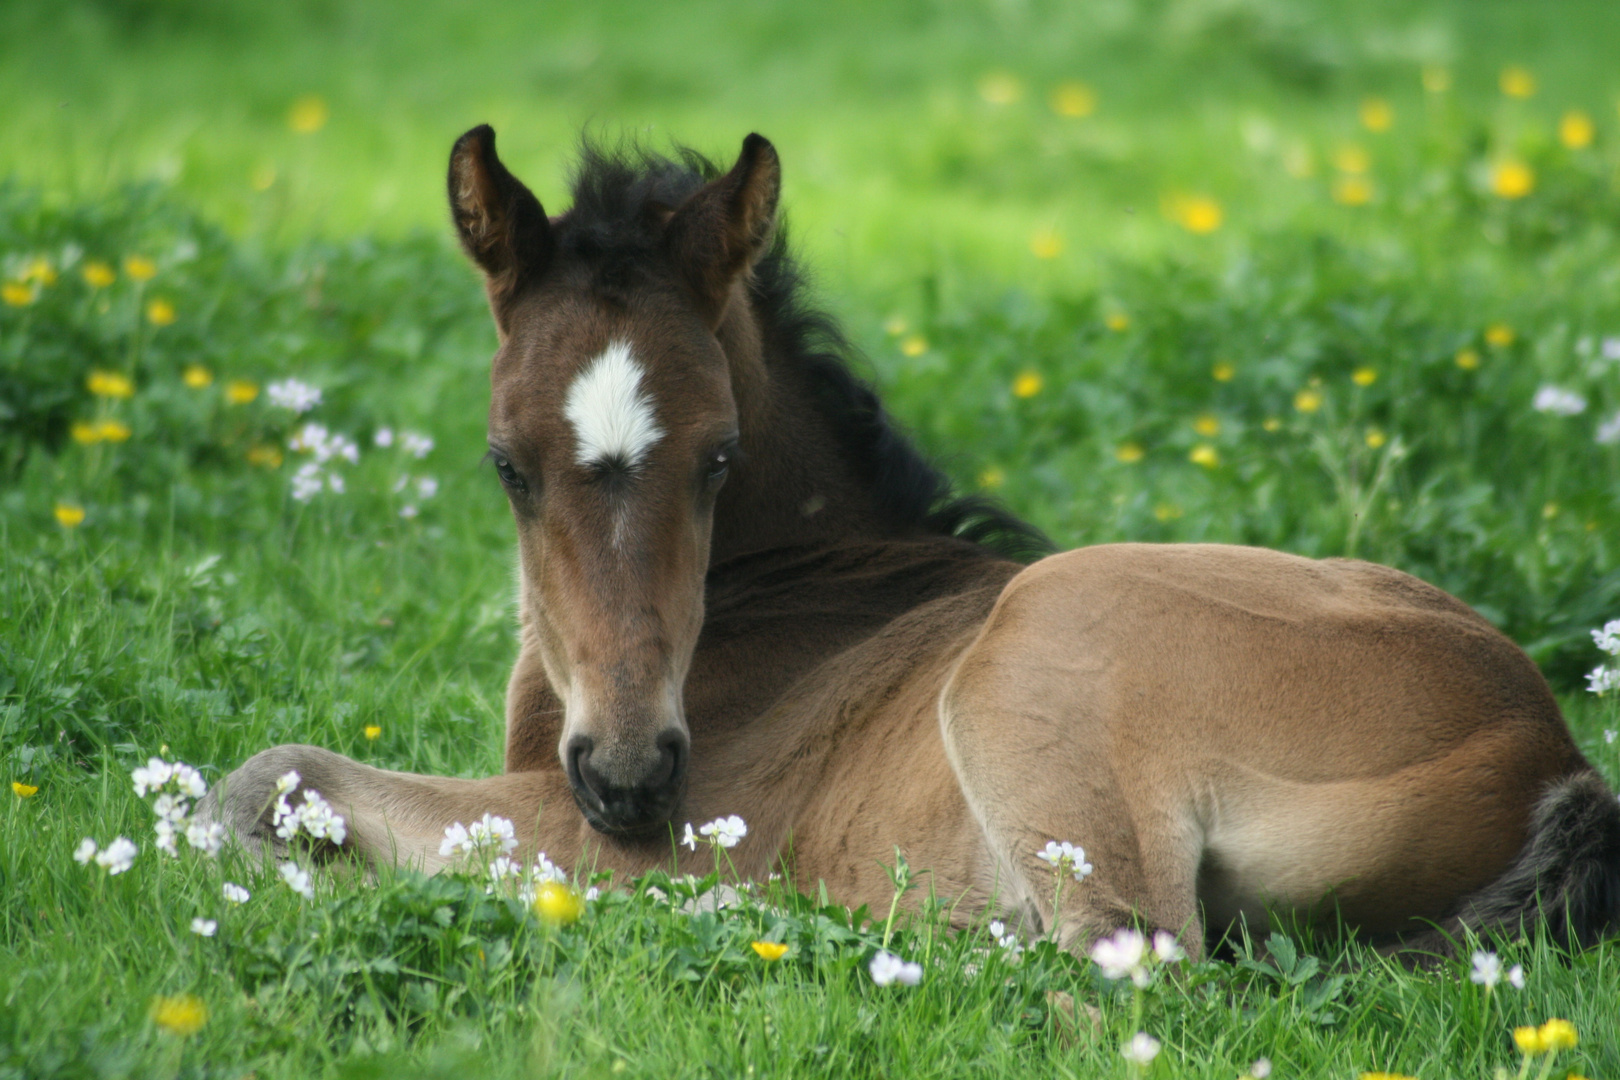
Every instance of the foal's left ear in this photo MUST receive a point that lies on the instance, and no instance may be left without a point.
(498, 220)
(723, 229)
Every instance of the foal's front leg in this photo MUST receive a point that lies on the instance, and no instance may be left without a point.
(393, 817)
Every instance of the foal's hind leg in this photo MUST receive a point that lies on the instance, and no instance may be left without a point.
(1035, 765)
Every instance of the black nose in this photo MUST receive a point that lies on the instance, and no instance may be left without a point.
(618, 797)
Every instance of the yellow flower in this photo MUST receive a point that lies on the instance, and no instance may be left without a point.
(1027, 385)
(112, 431)
(896, 325)
(98, 274)
(1364, 376)
(308, 114)
(1046, 244)
(262, 178)
(1559, 1035)
(1167, 511)
(84, 432)
(1000, 88)
(1207, 425)
(110, 384)
(1529, 1041)
(770, 950)
(1512, 179)
(1308, 401)
(1205, 455)
(1130, 453)
(40, 270)
(1517, 82)
(372, 731)
(1549, 511)
(140, 267)
(1575, 130)
(558, 904)
(1352, 191)
(915, 345)
(1271, 423)
(1467, 359)
(1351, 158)
(1074, 99)
(1197, 213)
(1117, 321)
(160, 313)
(1375, 438)
(1376, 115)
(197, 377)
(240, 392)
(69, 516)
(1436, 79)
(1222, 372)
(265, 455)
(1299, 163)
(24, 791)
(1500, 335)
(183, 1015)
(992, 478)
(16, 294)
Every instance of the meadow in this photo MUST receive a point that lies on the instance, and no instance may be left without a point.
(1341, 279)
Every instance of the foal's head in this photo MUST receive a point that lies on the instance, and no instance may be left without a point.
(613, 424)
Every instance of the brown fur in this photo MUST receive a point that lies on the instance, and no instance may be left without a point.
(1226, 730)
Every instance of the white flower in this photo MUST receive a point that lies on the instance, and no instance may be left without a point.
(314, 817)
(1600, 680)
(1609, 736)
(288, 781)
(1515, 977)
(1609, 431)
(726, 831)
(1558, 401)
(1260, 1069)
(1608, 638)
(334, 483)
(119, 856)
(690, 839)
(545, 870)
(415, 444)
(297, 880)
(383, 438)
(234, 893)
(306, 482)
(171, 808)
(1068, 856)
(1487, 970)
(1141, 1050)
(887, 968)
(189, 780)
(592, 893)
(1122, 956)
(1008, 941)
(1166, 948)
(1611, 348)
(206, 838)
(166, 832)
(203, 927)
(408, 511)
(84, 852)
(300, 397)
(427, 487)
(152, 776)
(492, 831)
(455, 839)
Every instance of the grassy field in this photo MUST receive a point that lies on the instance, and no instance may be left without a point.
(1331, 278)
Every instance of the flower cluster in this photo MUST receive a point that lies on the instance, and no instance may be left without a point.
(1558, 401)
(485, 838)
(314, 817)
(292, 394)
(1064, 856)
(1602, 679)
(1487, 972)
(175, 785)
(1005, 938)
(115, 859)
(1126, 955)
(1549, 1038)
(887, 968)
(724, 832)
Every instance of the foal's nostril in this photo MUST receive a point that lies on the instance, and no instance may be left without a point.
(672, 751)
(580, 774)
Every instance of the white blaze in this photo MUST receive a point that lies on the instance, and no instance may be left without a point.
(613, 420)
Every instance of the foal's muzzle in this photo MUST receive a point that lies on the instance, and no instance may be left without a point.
(623, 801)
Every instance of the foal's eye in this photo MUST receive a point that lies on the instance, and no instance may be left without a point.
(509, 476)
(720, 464)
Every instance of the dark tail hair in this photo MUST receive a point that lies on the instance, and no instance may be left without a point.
(1567, 876)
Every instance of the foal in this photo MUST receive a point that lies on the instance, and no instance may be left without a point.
(743, 592)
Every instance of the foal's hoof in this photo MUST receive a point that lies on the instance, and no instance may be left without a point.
(244, 801)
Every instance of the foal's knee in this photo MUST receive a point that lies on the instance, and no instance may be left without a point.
(244, 801)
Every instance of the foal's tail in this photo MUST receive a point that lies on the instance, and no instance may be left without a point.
(1567, 876)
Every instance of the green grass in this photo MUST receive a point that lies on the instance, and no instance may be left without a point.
(198, 610)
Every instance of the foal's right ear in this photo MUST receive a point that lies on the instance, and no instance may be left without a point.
(499, 221)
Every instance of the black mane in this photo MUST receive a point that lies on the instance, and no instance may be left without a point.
(620, 198)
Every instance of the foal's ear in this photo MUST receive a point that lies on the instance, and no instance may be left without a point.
(723, 229)
(499, 221)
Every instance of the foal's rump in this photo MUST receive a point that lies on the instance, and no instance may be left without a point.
(1244, 730)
